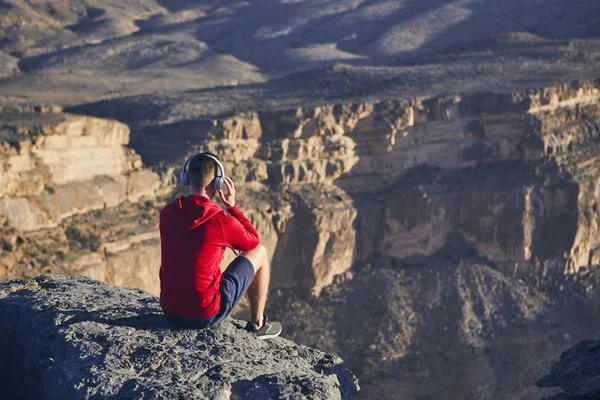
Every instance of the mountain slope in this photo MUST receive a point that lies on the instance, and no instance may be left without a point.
(149, 47)
(445, 330)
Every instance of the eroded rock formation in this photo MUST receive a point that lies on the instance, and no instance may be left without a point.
(76, 338)
(69, 186)
(513, 177)
(375, 134)
(57, 165)
(450, 328)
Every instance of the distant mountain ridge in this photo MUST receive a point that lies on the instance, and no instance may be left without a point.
(149, 47)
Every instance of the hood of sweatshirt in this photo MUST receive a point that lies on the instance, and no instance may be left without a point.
(188, 212)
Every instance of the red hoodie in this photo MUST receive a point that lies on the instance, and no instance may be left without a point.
(194, 232)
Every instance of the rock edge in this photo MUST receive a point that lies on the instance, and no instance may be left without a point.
(77, 338)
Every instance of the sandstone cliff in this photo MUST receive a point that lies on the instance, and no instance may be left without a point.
(369, 138)
(511, 175)
(68, 185)
(75, 338)
(57, 165)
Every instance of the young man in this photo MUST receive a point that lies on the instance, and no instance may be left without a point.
(194, 233)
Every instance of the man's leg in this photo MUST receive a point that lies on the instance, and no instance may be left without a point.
(257, 292)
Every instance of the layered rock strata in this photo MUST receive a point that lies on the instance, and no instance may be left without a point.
(73, 337)
(69, 186)
(509, 176)
(57, 165)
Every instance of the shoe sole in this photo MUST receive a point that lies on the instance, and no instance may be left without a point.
(269, 336)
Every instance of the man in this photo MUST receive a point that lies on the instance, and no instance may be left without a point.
(194, 233)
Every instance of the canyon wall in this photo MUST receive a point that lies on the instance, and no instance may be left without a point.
(511, 177)
(67, 187)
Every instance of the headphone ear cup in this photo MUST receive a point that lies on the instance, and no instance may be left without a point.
(218, 185)
(184, 178)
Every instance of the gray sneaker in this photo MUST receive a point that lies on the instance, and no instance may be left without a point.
(267, 331)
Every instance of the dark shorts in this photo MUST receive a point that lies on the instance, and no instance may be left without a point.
(236, 279)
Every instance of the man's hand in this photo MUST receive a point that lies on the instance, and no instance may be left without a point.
(228, 199)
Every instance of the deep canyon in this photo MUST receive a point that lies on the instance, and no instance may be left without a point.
(431, 209)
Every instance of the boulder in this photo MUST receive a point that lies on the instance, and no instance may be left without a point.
(577, 372)
(67, 337)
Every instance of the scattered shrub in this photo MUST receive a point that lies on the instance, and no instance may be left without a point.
(6, 245)
(94, 242)
(364, 266)
(78, 239)
(96, 213)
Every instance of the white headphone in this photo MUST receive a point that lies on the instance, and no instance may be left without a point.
(218, 181)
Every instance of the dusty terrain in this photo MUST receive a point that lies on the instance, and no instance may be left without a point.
(429, 168)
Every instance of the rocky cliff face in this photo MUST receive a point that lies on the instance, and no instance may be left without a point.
(72, 337)
(458, 322)
(511, 177)
(57, 165)
(69, 185)
(366, 137)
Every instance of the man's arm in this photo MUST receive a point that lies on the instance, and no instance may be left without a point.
(238, 232)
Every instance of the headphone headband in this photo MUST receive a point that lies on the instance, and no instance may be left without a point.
(218, 180)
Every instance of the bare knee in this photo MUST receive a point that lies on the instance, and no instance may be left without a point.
(259, 250)
(258, 256)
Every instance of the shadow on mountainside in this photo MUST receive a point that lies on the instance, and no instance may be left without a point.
(386, 32)
(474, 331)
(281, 37)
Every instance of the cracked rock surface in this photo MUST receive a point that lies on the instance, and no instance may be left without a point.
(66, 337)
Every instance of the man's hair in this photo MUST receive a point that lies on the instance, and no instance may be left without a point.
(202, 170)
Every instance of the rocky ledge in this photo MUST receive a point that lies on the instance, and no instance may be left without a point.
(577, 372)
(64, 337)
